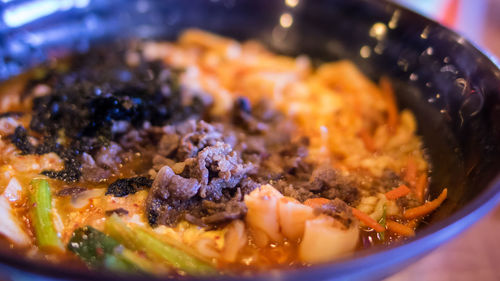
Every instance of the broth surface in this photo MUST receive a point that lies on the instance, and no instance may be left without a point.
(241, 159)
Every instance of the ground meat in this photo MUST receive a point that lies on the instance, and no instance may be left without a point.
(97, 102)
(160, 161)
(131, 139)
(295, 191)
(216, 167)
(337, 209)
(386, 182)
(109, 156)
(322, 181)
(91, 172)
(168, 184)
(242, 116)
(331, 184)
(406, 203)
(204, 135)
(124, 187)
(222, 212)
(202, 192)
(168, 144)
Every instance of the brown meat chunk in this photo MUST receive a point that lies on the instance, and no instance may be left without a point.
(207, 192)
(109, 156)
(242, 116)
(70, 191)
(337, 209)
(167, 183)
(119, 212)
(330, 184)
(216, 167)
(92, 172)
(223, 212)
(168, 144)
(204, 135)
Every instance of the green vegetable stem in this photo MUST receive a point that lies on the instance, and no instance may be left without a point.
(41, 200)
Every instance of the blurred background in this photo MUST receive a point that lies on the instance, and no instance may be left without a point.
(477, 20)
(474, 254)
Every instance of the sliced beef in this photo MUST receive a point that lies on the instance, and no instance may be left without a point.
(70, 191)
(168, 184)
(168, 144)
(160, 161)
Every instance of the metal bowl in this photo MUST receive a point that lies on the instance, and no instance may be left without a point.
(451, 86)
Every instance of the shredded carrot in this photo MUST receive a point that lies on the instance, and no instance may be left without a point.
(366, 219)
(412, 223)
(400, 191)
(392, 107)
(421, 187)
(411, 171)
(316, 202)
(427, 207)
(367, 140)
(400, 229)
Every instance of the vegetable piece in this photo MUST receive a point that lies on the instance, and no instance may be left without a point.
(98, 250)
(10, 226)
(410, 175)
(378, 210)
(293, 216)
(326, 239)
(366, 219)
(142, 263)
(382, 222)
(262, 216)
(139, 239)
(427, 207)
(41, 200)
(368, 140)
(235, 238)
(392, 107)
(400, 191)
(316, 202)
(13, 191)
(421, 187)
(400, 229)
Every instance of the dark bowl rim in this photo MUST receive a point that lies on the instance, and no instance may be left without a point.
(437, 233)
